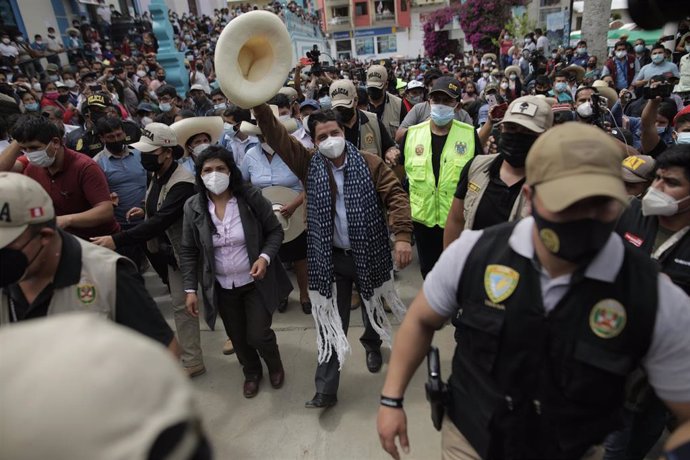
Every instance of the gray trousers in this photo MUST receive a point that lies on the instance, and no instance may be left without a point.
(327, 374)
(187, 326)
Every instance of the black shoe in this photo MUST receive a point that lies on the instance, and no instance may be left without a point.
(321, 401)
(282, 306)
(374, 361)
(306, 308)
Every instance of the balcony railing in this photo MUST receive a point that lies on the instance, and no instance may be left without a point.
(338, 21)
(385, 16)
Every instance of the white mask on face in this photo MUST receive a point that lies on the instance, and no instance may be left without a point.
(216, 182)
(657, 203)
(196, 151)
(146, 120)
(141, 73)
(40, 158)
(585, 110)
(70, 83)
(332, 147)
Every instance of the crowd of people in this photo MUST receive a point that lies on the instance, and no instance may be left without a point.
(531, 184)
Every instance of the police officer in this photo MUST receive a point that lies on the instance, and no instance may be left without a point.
(387, 107)
(552, 314)
(434, 154)
(490, 188)
(85, 139)
(658, 224)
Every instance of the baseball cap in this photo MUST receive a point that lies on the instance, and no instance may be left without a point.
(343, 93)
(154, 136)
(414, 84)
(98, 100)
(23, 202)
(52, 68)
(145, 107)
(310, 103)
(197, 87)
(291, 93)
(137, 383)
(685, 111)
(638, 168)
(448, 85)
(532, 112)
(573, 161)
(377, 77)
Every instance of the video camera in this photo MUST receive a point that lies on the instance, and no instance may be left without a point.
(663, 90)
(314, 56)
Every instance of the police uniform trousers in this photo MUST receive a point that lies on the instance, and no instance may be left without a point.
(327, 374)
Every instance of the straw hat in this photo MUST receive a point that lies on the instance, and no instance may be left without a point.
(189, 127)
(294, 225)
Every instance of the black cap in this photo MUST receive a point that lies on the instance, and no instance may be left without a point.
(448, 85)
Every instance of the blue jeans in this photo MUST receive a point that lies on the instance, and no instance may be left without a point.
(640, 432)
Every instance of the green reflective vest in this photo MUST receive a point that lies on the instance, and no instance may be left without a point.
(431, 203)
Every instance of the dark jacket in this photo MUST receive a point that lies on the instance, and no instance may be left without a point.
(263, 234)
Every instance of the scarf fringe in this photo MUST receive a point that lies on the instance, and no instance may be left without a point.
(377, 314)
(329, 328)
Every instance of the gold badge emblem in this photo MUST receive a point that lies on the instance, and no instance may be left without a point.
(419, 149)
(80, 144)
(369, 139)
(607, 318)
(86, 293)
(474, 187)
(550, 239)
(500, 282)
(460, 148)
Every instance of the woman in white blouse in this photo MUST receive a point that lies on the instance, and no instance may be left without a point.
(231, 236)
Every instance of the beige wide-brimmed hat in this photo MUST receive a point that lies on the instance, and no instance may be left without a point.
(187, 128)
(605, 90)
(279, 197)
(577, 70)
(514, 68)
(253, 57)
(253, 130)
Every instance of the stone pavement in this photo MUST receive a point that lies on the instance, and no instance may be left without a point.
(275, 424)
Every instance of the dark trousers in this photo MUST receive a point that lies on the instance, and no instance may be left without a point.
(327, 374)
(429, 242)
(248, 324)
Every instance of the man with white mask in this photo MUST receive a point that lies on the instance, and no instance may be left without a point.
(347, 239)
(658, 224)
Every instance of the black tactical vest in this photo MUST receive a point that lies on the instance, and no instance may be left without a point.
(530, 385)
(640, 232)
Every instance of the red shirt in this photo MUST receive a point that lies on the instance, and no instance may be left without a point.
(77, 187)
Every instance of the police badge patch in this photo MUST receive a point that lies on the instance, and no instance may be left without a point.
(86, 293)
(419, 149)
(369, 139)
(500, 282)
(460, 148)
(607, 318)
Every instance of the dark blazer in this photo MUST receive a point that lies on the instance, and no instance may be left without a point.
(263, 234)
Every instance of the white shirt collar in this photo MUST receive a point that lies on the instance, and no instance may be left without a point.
(604, 267)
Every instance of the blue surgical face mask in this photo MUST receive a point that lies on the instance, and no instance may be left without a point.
(658, 58)
(639, 48)
(661, 130)
(165, 106)
(222, 105)
(683, 138)
(33, 107)
(442, 114)
(325, 103)
(561, 86)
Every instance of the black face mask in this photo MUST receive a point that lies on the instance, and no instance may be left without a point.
(544, 92)
(375, 93)
(14, 264)
(577, 241)
(115, 147)
(150, 162)
(346, 113)
(514, 147)
(63, 98)
(130, 74)
(160, 77)
(95, 116)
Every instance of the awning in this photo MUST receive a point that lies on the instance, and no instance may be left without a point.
(89, 2)
(649, 36)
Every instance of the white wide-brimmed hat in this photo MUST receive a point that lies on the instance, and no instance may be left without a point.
(253, 130)
(187, 128)
(282, 196)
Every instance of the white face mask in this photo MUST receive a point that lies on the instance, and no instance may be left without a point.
(504, 85)
(145, 121)
(40, 158)
(585, 110)
(140, 73)
(36, 87)
(196, 151)
(70, 83)
(284, 118)
(332, 147)
(216, 182)
(657, 203)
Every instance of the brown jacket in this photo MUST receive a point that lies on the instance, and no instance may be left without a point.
(297, 157)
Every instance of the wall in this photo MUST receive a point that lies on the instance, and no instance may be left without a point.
(39, 15)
